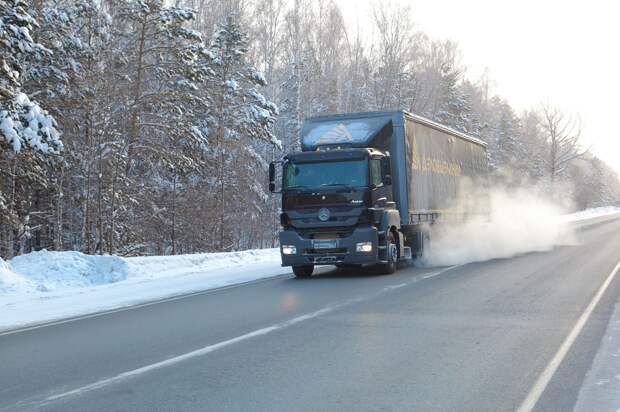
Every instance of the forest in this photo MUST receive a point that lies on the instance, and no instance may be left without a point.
(140, 127)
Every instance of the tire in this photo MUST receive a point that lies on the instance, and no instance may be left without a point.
(303, 271)
(391, 255)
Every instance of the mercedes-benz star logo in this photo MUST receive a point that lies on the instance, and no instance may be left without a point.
(324, 214)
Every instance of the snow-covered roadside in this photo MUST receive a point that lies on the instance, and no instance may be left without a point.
(600, 390)
(46, 286)
(591, 213)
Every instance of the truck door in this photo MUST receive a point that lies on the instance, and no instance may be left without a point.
(378, 189)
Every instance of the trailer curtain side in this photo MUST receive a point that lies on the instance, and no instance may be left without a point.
(438, 163)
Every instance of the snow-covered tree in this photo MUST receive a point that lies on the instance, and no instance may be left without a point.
(239, 117)
(562, 133)
(505, 149)
(23, 123)
(156, 72)
(391, 54)
(27, 132)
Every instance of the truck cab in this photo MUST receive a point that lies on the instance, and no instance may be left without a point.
(336, 208)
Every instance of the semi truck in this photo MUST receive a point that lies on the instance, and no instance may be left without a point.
(365, 186)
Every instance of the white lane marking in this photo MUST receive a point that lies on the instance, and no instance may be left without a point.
(193, 354)
(211, 348)
(433, 274)
(545, 377)
(392, 287)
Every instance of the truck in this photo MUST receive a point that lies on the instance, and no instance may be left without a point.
(365, 186)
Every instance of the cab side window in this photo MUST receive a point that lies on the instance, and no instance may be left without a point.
(375, 172)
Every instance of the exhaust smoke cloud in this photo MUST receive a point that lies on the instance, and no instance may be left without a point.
(516, 221)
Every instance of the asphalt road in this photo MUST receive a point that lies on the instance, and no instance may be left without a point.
(468, 338)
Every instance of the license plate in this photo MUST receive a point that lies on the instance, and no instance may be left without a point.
(325, 243)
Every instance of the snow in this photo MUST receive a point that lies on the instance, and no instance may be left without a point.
(258, 76)
(164, 266)
(45, 286)
(232, 84)
(49, 271)
(600, 390)
(7, 128)
(11, 281)
(39, 132)
(591, 213)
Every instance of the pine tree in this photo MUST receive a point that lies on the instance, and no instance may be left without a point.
(159, 74)
(27, 132)
(23, 123)
(239, 117)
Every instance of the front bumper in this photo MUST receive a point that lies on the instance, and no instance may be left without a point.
(343, 253)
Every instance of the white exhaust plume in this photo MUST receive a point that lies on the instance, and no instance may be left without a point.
(517, 220)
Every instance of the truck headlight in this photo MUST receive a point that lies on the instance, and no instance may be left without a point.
(363, 247)
(289, 250)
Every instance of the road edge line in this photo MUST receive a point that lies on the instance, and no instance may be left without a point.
(544, 378)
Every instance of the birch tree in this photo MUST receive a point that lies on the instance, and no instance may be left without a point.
(562, 133)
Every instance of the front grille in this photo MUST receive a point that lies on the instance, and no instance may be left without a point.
(323, 233)
(327, 251)
(331, 207)
(332, 220)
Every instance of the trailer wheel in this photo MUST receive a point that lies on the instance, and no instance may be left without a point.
(391, 256)
(303, 271)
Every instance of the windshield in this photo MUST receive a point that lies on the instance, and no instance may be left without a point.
(350, 173)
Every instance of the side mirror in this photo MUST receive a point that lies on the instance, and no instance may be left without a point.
(272, 177)
(386, 171)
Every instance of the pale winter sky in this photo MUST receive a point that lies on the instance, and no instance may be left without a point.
(563, 52)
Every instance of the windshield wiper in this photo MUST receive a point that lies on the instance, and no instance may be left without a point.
(297, 187)
(345, 187)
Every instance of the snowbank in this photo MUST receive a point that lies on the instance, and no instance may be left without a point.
(45, 271)
(591, 213)
(11, 281)
(163, 266)
(48, 271)
(45, 286)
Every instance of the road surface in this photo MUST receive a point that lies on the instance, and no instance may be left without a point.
(476, 337)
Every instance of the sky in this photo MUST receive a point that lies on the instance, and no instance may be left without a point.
(566, 53)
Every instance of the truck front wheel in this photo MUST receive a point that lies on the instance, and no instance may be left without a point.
(391, 255)
(303, 271)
